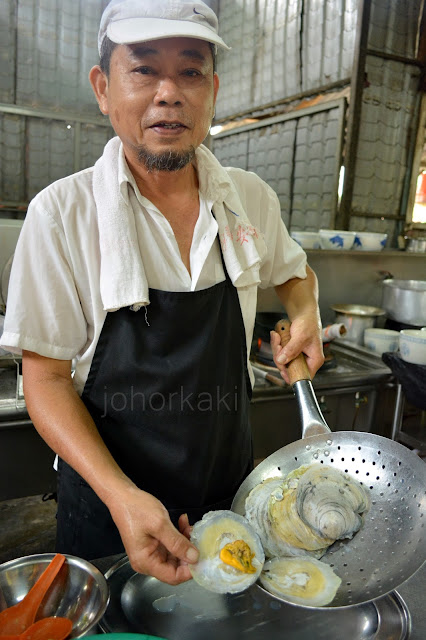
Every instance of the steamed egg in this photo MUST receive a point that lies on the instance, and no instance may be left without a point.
(231, 554)
(300, 580)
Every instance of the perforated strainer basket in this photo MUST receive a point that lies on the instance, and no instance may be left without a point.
(391, 544)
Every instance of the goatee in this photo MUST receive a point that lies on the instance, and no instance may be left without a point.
(165, 161)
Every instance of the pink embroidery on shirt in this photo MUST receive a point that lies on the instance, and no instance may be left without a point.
(241, 235)
(226, 234)
(244, 231)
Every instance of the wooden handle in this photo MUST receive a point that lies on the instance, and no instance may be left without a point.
(297, 368)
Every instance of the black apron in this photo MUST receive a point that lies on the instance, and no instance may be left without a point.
(169, 392)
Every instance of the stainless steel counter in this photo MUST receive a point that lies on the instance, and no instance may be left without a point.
(353, 365)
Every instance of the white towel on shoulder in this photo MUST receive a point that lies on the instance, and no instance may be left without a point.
(123, 281)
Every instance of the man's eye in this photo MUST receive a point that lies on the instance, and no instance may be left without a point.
(192, 73)
(144, 70)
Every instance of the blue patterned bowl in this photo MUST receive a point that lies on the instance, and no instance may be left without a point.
(336, 239)
(412, 346)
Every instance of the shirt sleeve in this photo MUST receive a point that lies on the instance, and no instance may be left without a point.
(285, 259)
(43, 310)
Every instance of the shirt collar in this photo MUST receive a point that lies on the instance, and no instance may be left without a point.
(214, 182)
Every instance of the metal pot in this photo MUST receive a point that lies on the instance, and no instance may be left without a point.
(356, 318)
(405, 301)
(415, 245)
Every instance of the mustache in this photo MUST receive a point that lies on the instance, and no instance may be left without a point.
(151, 121)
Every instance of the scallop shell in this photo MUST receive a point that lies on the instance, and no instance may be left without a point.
(307, 511)
(282, 532)
(210, 534)
(330, 502)
(304, 581)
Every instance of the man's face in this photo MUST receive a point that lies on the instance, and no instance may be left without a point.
(160, 95)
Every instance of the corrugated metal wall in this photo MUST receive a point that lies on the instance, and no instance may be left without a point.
(287, 47)
(49, 47)
(394, 26)
(389, 105)
(390, 102)
(299, 156)
(281, 48)
(50, 124)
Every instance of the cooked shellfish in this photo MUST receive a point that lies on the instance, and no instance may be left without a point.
(308, 510)
(303, 581)
(231, 553)
(330, 502)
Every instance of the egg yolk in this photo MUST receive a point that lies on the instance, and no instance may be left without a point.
(238, 555)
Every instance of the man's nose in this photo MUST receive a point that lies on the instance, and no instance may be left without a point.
(168, 91)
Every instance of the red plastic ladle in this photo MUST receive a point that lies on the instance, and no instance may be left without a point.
(15, 620)
(45, 629)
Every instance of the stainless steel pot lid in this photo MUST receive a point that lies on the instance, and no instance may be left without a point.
(142, 604)
(358, 310)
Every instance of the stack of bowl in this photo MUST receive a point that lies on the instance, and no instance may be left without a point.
(412, 345)
(307, 239)
(370, 241)
(381, 340)
(336, 239)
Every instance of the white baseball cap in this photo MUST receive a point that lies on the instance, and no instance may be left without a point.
(131, 21)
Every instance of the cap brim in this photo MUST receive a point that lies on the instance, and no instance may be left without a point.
(146, 29)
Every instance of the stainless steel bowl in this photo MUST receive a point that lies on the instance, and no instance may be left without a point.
(79, 592)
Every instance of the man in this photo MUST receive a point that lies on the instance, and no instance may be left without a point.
(142, 272)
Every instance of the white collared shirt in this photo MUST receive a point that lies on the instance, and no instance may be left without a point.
(54, 306)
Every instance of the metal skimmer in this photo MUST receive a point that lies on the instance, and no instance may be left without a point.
(391, 545)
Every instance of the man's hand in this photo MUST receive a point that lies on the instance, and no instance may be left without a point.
(154, 546)
(305, 332)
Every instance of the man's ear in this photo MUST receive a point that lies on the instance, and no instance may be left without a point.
(215, 86)
(99, 82)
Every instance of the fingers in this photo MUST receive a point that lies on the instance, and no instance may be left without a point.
(164, 556)
(303, 340)
(184, 526)
(177, 544)
(280, 355)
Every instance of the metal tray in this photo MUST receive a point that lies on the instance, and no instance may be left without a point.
(142, 604)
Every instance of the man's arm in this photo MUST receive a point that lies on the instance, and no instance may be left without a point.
(152, 543)
(300, 299)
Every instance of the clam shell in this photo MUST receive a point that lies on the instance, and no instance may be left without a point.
(330, 502)
(307, 511)
(303, 581)
(210, 535)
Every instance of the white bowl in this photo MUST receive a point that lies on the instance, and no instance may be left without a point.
(381, 340)
(307, 239)
(412, 346)
(369, 241)
(336, 239)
